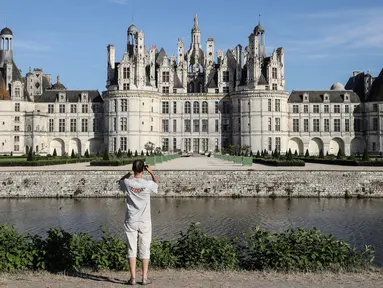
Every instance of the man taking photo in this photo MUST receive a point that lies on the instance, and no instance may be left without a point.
(138, 222)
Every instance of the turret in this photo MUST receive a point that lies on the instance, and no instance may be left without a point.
(196, 34)
(111, 62)
(6, 46)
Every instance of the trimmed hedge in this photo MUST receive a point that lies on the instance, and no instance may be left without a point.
(277, 162)
(293, 250)
(343, 162)
(44, 162)
(115, 162)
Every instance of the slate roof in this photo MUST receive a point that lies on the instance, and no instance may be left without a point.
(212, 82)
(73, 96)
(376, 92)
(177, 81)
(161, 56)
(6, 31)
(262, 80)
(3, 89)
(318, 96)
(357, 84)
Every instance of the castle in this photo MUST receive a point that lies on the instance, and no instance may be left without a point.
(194, 102)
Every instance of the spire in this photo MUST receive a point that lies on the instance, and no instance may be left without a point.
(196, 21)
(259, 19)
(58, 79)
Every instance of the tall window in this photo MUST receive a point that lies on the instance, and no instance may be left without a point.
(346, 108)
(124, 124)
(277, 105)
(84, 108)
(337, 125)
(94, 125)
(316, 125)
(165, 89)
(226, 75)
(174, 144)
(174, 125)
(277, 124)
(216, 107)
(16, 139)
(375, 124)
(270, 144)
(165, 125)
(17, 92)
(274, 73)
(62, 108)
(306, 125)
(114, 124)
(195, 107)
(165, 144)
(326, 109)
(187, 144)
(278, 143)
(226, 89)
(269, 105)
(17, 107)
(165, 76)
(73, 125)
(326, 125)
(187, 125)
(61, 125)
(73, 108)
(269, 124)
(124, 105)
(205, 107)
(347, 125)
(126, 86)
(295, 125)
(295, 109)
(316, 108)
(115, 105)
(336, 108)
(375, 108)
(124, 143)
(225, 125)
(165, 107)
(126, 73)
(17, 119)
(175, 107)
(51, 108)
(226, 107)
(114, 144)
(51, 125)
(205, 144)
(216, 125)
(196, 125)
(187, 107)
(275, 87)
(205, 125)
(84, 125)
(17, 128)
(306, 109)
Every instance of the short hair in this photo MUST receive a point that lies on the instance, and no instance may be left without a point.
(138, 166)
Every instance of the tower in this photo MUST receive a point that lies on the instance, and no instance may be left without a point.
(6, 46)
(196, 34)
(132, 40)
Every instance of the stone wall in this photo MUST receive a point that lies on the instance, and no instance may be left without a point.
(197, 183)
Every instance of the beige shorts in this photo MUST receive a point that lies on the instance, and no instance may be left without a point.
(142, 231)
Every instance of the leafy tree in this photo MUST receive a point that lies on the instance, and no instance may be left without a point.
(366, 157)
(119, 153)
(149, 146)
(340, 154)
(72, 155)
(321, 155)
(54, 153)
(106, 155)
(307, 153)
(30, 155)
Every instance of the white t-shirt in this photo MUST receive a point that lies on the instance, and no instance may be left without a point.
(138, 192)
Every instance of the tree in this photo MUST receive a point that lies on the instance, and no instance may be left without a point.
(366, 157)
(119, 153)
(11, 153)
(86, 154)
(276, 154)
(296, 153)
(340, 154)
(258, 154)
(135, 153)
(326, 153)
(307, 155)
(251, 153)
(321, 155)
(289, 155)
(30, 155)
(147, 152)
(72, 155)
(106, 155)
(149, 146)
(142, 153)
(54, 153)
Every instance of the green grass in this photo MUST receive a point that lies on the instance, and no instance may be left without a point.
(13, 159)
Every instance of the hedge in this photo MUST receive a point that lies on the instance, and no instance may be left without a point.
(116, 162)
(293, 250)
(44, 162)
(277, 162)
(343, 162)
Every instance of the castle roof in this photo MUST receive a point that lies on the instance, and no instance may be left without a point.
(72, 96)
(296, 96)
(6, 31)
(376, 92)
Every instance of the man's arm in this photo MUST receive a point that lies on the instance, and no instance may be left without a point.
(154, 178)
(126, 176)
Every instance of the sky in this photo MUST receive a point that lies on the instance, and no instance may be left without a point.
(324, 41)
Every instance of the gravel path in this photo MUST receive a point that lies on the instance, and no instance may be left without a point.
(181, 278)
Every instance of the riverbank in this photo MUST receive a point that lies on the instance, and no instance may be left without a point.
(196, 177)
(190, 278)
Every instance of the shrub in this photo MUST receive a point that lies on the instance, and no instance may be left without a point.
(289, 155)
(307, 155)
(72, 155)
(119, 153)
(321, 155)
(135, 153)
(86, 154)
(258, 154)
(340, 154)
(106, 155)
(54, 153)
(365, 155)
(142, 153)
(30, 155)
(296, 153)
(277, 162)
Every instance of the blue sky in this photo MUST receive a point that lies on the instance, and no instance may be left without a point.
(324, 41)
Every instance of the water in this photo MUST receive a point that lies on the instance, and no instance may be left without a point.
(358, 222)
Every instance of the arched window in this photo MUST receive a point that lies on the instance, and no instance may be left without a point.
(196, 107)
(204, 107)
(187, 107)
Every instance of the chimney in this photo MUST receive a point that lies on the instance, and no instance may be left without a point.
(355, 73)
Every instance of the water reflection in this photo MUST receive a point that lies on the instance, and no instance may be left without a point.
(356, 221)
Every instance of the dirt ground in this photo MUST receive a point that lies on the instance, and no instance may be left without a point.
(182, 278)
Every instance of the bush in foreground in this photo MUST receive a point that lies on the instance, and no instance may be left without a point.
(297, 250)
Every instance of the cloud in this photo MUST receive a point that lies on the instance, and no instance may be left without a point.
(31, 46)
(121, 2)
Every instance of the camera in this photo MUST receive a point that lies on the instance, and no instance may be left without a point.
(145, 165)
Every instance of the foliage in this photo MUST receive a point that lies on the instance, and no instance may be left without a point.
(289, 155)
(350, 161)
(365, 155)
(149, 146)
(119, 153)
(321, 155)
(279, 162)
(43, 162)
(106, 155)
(86, 154)
(54, 153)
(340, 154)
(298, 250)
(307, 155)
(115, 162)
(296, 153)
(72, 155)
(135, 153)
(30, 155)
(142, 153)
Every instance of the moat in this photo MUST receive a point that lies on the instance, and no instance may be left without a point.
(356, 221)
